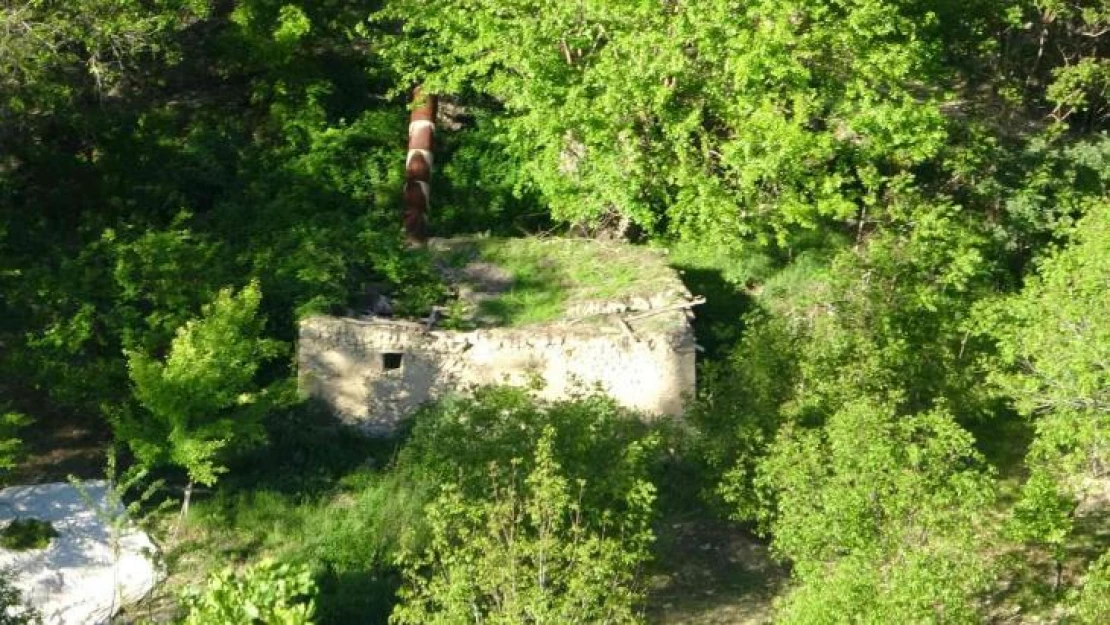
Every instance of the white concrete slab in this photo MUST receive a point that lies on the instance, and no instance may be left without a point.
(77, 579)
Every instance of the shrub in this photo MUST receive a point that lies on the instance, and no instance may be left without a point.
(1092, 601)
(265, 593)
(26, 534)
(593, 439)
(530, 553)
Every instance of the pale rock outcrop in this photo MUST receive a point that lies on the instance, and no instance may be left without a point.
(79, 579)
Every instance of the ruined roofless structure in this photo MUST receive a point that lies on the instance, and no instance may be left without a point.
(570, 315)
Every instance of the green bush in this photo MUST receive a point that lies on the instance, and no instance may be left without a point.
(736, 413)
(1091, 603)
(594, 439)
(530, 552)
(25, 534)
(883, 516)
(564, 544)
(266, 593)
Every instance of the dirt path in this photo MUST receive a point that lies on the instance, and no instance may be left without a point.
(709, 573)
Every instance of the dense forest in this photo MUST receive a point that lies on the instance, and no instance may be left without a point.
(897, 210)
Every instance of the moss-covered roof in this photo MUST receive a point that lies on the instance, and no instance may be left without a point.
(535, 280)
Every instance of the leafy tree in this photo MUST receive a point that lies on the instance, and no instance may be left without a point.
(530, 553)
(51, 51)
(203, 399)
(882, 516)
(1092, 602)
(722, 119)
(224, 140)
(1054, 343)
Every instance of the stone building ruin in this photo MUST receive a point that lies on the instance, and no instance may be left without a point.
(635, 344)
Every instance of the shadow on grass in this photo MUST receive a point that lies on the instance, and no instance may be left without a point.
(1004, 442)
(356, 597)
(307, 452)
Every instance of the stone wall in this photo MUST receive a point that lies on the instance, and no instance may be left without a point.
(375, 373)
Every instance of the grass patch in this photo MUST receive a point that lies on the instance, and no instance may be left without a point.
(346, 536)
(319, 494)
(27, 534)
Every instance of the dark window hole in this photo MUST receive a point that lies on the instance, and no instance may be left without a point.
(392, 361)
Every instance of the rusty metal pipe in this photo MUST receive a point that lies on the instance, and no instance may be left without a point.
(418, 167)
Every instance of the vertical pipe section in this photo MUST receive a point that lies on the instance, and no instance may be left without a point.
(418, 167)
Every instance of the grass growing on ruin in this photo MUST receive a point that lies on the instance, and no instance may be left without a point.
(537, 280)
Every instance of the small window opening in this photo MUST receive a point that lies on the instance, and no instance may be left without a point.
(391, 361)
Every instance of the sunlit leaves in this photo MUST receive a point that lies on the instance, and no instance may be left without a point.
(721, 119)
(882, 515)
(202, 398)
(531, 552)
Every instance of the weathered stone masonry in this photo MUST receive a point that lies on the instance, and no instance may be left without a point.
(374, 373)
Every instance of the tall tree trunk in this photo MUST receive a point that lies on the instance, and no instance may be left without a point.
(418, 166)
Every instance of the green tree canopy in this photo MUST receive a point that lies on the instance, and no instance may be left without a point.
(203, 399)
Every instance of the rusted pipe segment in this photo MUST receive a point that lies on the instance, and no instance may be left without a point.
(418, 167)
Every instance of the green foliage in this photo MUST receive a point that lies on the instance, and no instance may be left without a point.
(531, 552)
(847, 180)
(24, 534)
(594, 440)
(1079, 88)
(882, 516)
(203, 399)
(473, 189)
(1092, 602)
(217, 144)
(332, 504)
(11, 447)
(346, 505)
(154, 298)
(737, 411)
(797, 112)
(891, 323)
(1053, 340)
(102, 39)
(266, 592)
